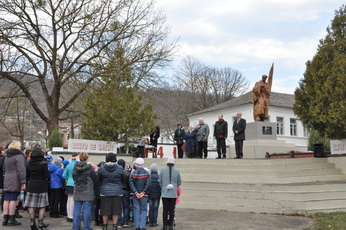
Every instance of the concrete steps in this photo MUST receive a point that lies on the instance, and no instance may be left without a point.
(284, 186)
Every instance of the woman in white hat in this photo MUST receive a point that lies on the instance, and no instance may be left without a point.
(169, 180)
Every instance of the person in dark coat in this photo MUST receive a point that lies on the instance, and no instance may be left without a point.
(179, 136)
(155, 136)
(84, 177)
(37, 193)
(239, 127)
(14, 181)
(110, 179)
(2, 161)
(154, 195)
(126, 194)
(220, 134)
(191, 142)
(98, 217)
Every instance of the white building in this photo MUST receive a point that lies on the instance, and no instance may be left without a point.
(289, 128)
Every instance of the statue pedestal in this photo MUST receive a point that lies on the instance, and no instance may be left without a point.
(261, 137)
(261, 130)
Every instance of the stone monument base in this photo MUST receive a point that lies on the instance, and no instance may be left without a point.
(260, 130)
(261, 138)
(258, 148)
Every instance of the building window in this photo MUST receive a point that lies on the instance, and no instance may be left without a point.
(279, 125)
(293, 127)
(306, 132)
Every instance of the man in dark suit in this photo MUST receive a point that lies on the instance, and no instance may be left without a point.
(239, 126)
(179, 137)
(220, 134)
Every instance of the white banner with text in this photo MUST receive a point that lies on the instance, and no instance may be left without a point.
(338, 146)
(78, 145)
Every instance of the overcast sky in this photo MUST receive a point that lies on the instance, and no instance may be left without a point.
(248, 35)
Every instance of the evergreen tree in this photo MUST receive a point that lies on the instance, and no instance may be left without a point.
(114, 110)
(321, 95)
(55, 139)
(317, 138)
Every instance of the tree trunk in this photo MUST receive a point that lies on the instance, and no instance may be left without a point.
(53, 123)
(72, 129)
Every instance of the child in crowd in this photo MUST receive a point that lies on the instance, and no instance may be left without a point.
(139, 185)
(56, 184)
(67, 175)
(63, 199)
(154, 195)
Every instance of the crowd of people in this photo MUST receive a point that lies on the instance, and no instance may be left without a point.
(112, 189)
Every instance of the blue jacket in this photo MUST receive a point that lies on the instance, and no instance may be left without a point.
(56, 179)
(67, 175)
(110, 180)
(191, 141)
(154, 188)
(139, 181)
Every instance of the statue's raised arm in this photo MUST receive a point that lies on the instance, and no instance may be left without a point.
(261, 96)
(270, 78)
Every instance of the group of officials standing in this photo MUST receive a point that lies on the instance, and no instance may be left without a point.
(195, 140)
(221, 131)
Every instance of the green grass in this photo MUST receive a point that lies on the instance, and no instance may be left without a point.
(326, 221)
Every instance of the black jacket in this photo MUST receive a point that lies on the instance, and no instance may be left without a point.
(126, 180)
(179, 136)
(154, 137)
(37, 175)
(2, 160)
(240, 127)
(221, 129)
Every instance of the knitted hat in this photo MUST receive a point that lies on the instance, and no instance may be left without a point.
(154, 167)
(139, 162)
(65, 163)
(122, 163)
(57, 160)
(49, 158)
(170, 160)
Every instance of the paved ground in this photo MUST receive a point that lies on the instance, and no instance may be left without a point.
(203, 219)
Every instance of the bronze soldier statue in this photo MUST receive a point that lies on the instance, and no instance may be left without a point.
(261, 96)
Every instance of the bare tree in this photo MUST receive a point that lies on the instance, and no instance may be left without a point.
(227, 83)
(171, 107)
(65, 44)
(209, 85)
(18, 119)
